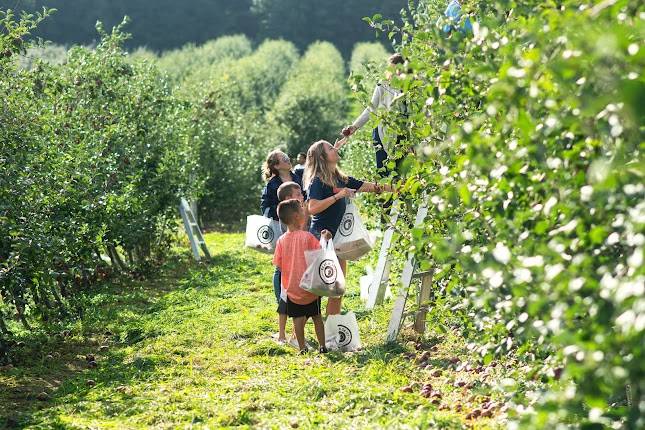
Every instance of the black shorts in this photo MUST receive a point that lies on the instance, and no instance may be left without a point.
(294, 310)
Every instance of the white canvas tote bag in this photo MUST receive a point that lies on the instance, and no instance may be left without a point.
(352, 240)
(323, 276)
(262, 233)
(341, 332)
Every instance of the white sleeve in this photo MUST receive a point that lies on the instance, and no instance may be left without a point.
(365, 115)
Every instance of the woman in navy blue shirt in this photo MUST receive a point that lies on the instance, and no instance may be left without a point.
(277, 170)
(327, 189)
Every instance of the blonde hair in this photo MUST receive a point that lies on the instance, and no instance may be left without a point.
(318, 166)
(273, 159)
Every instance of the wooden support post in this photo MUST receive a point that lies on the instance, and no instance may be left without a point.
(193, 231)
(424, 301)
(381, 273)
(406, 279)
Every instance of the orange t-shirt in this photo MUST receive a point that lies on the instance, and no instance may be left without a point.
(289, 256)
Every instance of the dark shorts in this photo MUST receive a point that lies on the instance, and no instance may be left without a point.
(294, 310)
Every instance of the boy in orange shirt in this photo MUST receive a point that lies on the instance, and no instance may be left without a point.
(289, 257)
(287, 191)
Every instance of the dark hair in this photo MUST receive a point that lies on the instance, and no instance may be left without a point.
(286, 189)
(302, 154)
(396, 59)
(288, 209)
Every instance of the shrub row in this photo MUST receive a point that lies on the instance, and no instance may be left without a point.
(95, 155)
(97, 147)
(313, 103)
(528, 135)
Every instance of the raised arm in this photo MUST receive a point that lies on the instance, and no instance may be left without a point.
(365, 115)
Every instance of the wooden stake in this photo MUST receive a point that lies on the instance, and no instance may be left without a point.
(406, 279)
(424, 302)
(381, 273)
(192, 229)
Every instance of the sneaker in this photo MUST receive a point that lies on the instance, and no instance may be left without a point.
(304, 351)
(323, 350)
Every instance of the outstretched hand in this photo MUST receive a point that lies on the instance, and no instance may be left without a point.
(346, 192)
(348, 131)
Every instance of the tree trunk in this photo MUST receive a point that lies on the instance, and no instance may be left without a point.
(59, 301)
(21, 315)
(130, 258)
(3, 326)
(116, 259)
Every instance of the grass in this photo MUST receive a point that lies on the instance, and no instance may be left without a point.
(192, 348)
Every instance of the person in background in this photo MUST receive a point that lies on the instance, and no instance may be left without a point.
(300, 167)
(453, 15)
(290, 191)
(383, 97)
(293, 190)
(327, 189)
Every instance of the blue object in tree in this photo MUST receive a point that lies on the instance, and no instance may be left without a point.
(453, 13)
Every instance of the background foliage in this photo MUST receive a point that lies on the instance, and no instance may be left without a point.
(528, 142)
(313, 103)
(528, 135)
(163, 25)
(95, 155)
(98, 146)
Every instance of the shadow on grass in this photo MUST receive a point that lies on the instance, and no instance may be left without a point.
(377, 353)
(54, 359)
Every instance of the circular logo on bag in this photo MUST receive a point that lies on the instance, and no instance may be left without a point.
(344, 336)
(265, 234)
(347, 224)
(327, 271)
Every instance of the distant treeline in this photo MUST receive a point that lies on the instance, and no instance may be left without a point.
(166, 24)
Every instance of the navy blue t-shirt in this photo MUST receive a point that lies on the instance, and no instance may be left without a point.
(330, 218)
(269, 200)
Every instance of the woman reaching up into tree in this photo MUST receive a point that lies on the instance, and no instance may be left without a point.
(328, 188)
(384, 97)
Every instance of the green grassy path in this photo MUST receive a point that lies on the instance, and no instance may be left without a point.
(192, 348)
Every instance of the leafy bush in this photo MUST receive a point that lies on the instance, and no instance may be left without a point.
(367, 56)
(49, 53)
(232, 131)
(529, 142)
(182, 64)
(142, 54)
(96, 155)
(256, 80)
(313, 103)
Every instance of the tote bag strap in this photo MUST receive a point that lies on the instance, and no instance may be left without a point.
(323, 243)
(330, 246)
